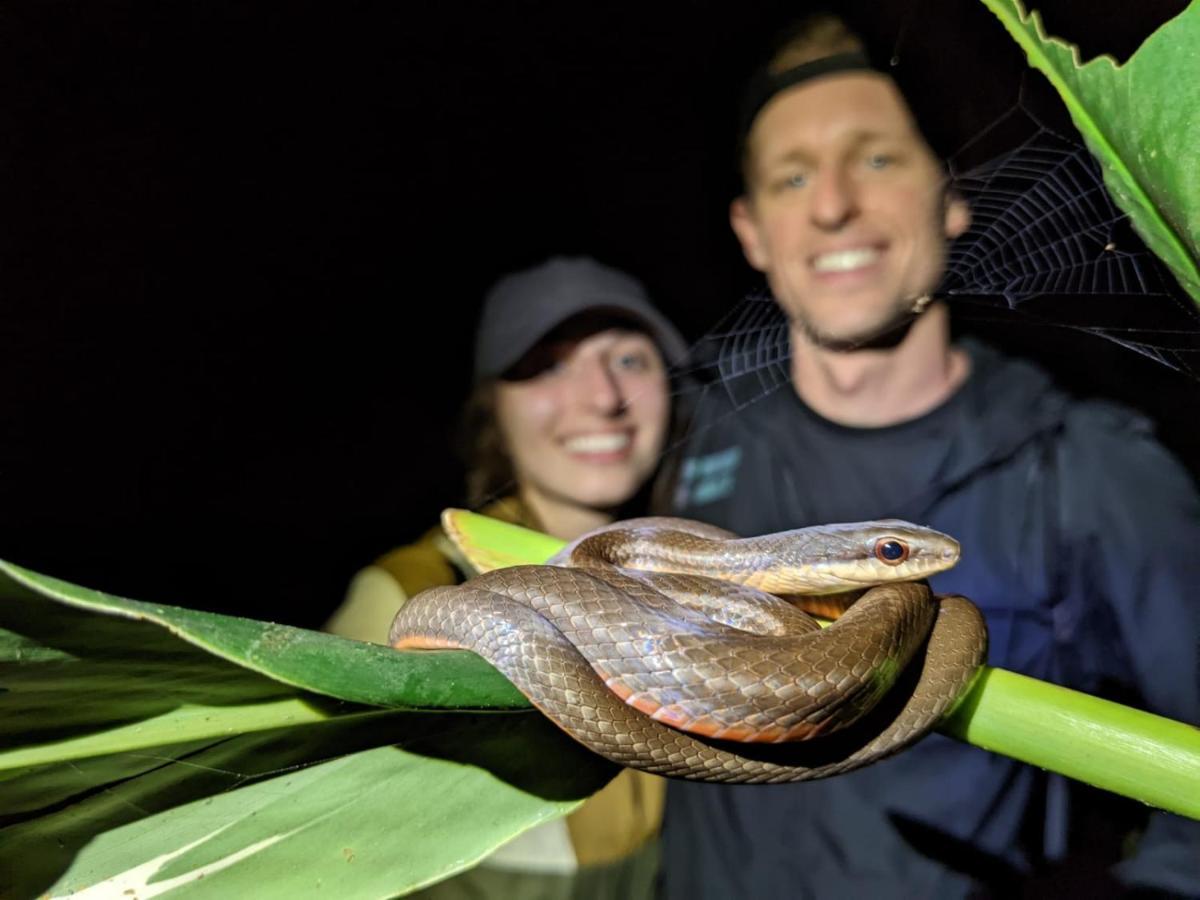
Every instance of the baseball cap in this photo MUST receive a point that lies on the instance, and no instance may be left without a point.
(525, 306)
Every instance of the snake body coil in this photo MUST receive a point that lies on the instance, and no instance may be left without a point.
(662, 644)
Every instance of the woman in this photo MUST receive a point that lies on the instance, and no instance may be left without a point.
(565, 427)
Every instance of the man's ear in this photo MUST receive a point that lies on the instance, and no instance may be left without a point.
(741, 218)
(958, 215)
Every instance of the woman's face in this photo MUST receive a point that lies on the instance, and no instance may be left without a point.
(587, 429)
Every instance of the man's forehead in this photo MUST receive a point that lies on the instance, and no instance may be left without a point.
(854, 101)
(842, 108)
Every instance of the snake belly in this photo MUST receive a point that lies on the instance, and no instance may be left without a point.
(662, 645)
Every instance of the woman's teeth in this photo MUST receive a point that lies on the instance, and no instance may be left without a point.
(846, 260)
(598, 443)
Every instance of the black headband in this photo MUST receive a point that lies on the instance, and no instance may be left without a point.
(766, 84)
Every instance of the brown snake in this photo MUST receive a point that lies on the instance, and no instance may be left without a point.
(661, 644)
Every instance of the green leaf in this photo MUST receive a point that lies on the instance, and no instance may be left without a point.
(373, 823)
(489, 543)
(322, 663)
(129, 731)
(1141, 120)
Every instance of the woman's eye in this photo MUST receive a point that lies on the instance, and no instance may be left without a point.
(633, 362)
(879, 161)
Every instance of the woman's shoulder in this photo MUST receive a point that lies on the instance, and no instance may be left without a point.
(378, 590)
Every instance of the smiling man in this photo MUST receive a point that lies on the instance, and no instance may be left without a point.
(847, 213)
(1076, 528)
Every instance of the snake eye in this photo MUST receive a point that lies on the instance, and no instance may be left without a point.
(891, 551)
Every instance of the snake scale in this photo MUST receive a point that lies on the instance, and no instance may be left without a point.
(664, 644)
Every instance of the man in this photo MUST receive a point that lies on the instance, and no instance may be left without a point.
(1078, 531)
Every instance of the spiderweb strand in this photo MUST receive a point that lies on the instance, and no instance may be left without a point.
(1043, 223)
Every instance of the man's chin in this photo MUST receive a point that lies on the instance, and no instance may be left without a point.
(877, 336)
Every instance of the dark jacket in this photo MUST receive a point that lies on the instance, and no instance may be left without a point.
(1079, 542)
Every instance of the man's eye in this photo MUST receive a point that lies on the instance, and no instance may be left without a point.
(879, 161)
(634, 362)
(788, 182)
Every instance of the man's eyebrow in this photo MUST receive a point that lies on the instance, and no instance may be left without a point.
(852, 141)
(795, 155)
(871, 137)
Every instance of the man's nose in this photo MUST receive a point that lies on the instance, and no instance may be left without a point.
(834, 200)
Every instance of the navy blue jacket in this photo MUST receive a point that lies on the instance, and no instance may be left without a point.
(1081, 544)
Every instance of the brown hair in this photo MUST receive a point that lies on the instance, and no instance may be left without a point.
(814, 37)
(481, 447)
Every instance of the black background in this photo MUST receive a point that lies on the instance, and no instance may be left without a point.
(242, 246)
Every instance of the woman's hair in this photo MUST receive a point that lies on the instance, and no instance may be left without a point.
(480, 440)
(481, 446)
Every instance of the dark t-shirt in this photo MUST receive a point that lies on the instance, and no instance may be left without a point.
(1074, 526)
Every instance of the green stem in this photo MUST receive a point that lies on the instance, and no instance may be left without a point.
(1120, 749)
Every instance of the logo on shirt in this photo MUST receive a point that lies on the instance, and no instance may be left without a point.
(708, 478)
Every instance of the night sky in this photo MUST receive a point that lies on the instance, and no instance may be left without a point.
(220, 223)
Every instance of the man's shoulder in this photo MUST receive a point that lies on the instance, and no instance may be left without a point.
(1010, 384)
(1107, 431)
(1115, 473)
(1115, 432)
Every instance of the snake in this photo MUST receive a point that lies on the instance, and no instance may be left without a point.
(681, 649)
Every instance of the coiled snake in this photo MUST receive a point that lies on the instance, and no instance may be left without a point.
(661, 644)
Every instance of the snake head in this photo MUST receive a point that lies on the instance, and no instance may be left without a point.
(911, 551)
(840, 557)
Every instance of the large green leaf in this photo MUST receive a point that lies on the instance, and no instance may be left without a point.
(1141, 120)
(288, 812)
(323, 663)
(131, 752)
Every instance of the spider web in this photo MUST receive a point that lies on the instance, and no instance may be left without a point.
(1043, 223)
(1046, 247)
(1045, 229)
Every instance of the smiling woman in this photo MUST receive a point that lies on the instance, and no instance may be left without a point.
(583, 417)
(563, 432)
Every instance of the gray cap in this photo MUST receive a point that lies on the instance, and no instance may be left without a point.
(523, 307)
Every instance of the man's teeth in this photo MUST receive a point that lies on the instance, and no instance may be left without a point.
(598, 443)
(846, 260)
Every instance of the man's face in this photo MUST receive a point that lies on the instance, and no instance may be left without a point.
(846, 210)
